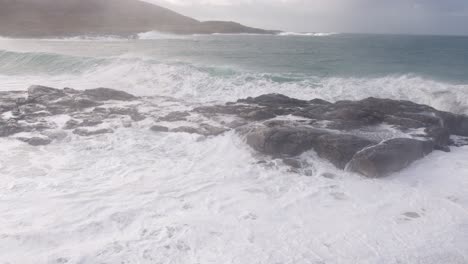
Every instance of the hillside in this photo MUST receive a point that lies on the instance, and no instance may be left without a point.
(45, 18)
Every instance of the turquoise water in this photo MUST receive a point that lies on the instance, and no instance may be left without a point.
(444, 58)
(427, 69)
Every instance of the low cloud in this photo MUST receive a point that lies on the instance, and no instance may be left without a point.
(367, 16)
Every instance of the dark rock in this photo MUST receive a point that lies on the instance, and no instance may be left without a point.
(272, 124)
(36, 141)
(56, 134)
(294, 163)
(339, 149)
(87, 132)
(328, 175)
(275, 100)
(113, 112)
(71, 103)
(461, 127)
(389, 157)
(43, 94)
(236, 124)
(258, 115)
(403, 122)
(59, 101)
(440, 136)
(186, 129)
(209, 130)
(106, 94)
(9, 101)
(159, 129)
(319, 102)
(279, 141)
(10, 127)
(458, 141)
(73, 123)
(175, 116)
(357, 113)
(204, 130)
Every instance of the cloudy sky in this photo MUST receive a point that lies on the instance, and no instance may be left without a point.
(375, 16)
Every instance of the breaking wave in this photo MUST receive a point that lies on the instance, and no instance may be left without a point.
(310, 34)
(139, 196)
(207, 84)
(155, 35)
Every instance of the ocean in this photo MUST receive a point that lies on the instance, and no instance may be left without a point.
(135, 196)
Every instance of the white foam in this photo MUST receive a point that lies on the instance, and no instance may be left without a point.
(308, 34)
(80, 38)
(190, 83)
(148, 197)
(138, 196)
(154, 35)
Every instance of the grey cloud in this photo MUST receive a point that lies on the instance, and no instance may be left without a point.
(366, 16)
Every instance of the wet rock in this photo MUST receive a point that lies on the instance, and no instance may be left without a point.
(9, 100)
(389, 157)
(258, 115)
(319, 102)
(274, 100)
(10, 127)
(339, 149)
(461, 126)
(73, 123)
(175, 116)
(209, 130)
(403, 122)
(122, 111)
(186, 129)
(86, 132)
(159, 129)
(203, 129)
(281, 141)
(236, 123)
(43, 94)
(328, 175)
(36, 141)
(294, 163)
(459, 141)
(345, 131)
(440, 136)
(55, 134)
(106, 94)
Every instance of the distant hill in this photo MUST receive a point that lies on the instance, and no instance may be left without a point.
(47, 18)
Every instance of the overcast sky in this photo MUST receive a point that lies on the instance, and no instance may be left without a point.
(374, 16)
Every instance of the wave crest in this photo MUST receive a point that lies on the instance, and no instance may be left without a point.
(317, 34)
(205, 84)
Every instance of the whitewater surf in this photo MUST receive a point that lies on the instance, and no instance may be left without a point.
(140, 196)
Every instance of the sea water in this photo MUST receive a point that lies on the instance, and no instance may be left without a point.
(136, 196)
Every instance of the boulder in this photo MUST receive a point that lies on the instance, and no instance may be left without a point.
(274, 100)
(36, 141)
(73, 123)
(106, 94)
(339, 149)
(281, 141)
(159, 129)
(10, 127)
(203, 129)
(88, 132)
(389, 156)
(175, 116)
(43, 94)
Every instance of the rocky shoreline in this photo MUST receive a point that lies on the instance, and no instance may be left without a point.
(373, 137)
